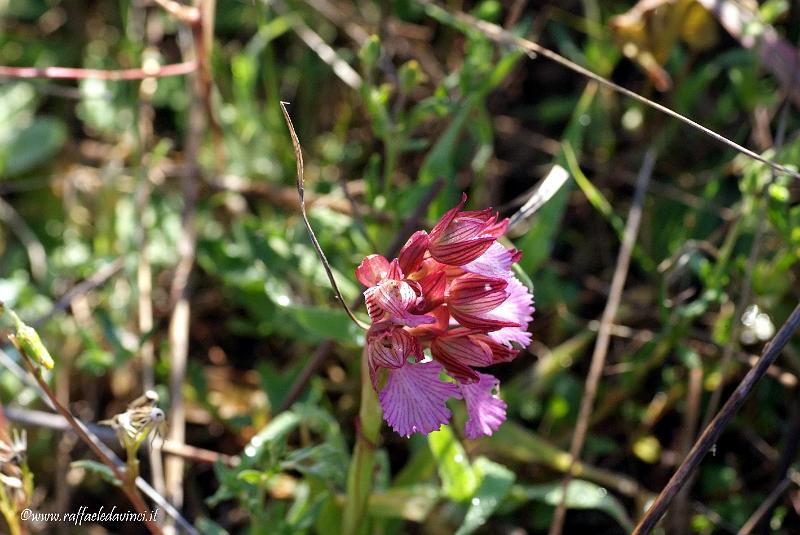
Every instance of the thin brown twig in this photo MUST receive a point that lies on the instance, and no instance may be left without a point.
(604, 333)
(694, 395)
(73, 73)
(203, 38)
(791, 445)
(144, 274)
(503, 37)
(766, 506)
(715, 428)
(298, 153)
(285, 197)
(299, 384)
(127, 484)
(343, 16)
(62, 497)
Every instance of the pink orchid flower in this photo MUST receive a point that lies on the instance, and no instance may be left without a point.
(449, 303)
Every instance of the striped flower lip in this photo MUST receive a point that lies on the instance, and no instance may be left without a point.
(449, 303)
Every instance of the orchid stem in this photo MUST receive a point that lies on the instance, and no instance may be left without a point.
(362, 464)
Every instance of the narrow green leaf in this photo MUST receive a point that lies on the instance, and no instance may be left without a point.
(496, 482)
(98, 469)
(207, 526)
(322, 460)
(458, 478)
(412, 503)
(270, 436)
(580, 495)
(34, 145)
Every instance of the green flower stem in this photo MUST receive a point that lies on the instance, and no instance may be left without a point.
(362, 466)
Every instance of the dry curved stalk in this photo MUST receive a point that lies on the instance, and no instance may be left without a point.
(298, 153)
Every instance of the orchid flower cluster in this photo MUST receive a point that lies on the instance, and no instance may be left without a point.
(449, 303)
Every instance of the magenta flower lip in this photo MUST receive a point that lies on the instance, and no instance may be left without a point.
(449, 295)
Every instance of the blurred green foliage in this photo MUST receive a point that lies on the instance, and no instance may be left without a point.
(89, 176)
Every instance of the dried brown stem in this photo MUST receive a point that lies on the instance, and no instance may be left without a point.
(766, 506)
(317, 44)
(604, 333)
(180, 292)
(694, 394)
(73, 73)
(144, 274)
(93, 432)
(286, 197)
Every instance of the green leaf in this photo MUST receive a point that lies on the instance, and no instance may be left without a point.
(98, 469)
(325, 323)
(414, 502)
(580, 495)
(496, 482)
(419, 467)
(458, 478)
(439, 161)
(207, 526)
(34, 145)
(270, 437)
(254, 477)
(306, 508)
(324, 461)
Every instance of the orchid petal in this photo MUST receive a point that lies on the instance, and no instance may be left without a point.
(433, 287)
(372, 270)
(495, 262)
(390, 349)
(475, 294)
(485, 408)
(414, 398)
(412, 253)
(518, 307)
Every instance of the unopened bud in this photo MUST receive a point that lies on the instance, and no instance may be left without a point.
(29, 342)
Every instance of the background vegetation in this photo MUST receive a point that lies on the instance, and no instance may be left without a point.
(144, 220)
